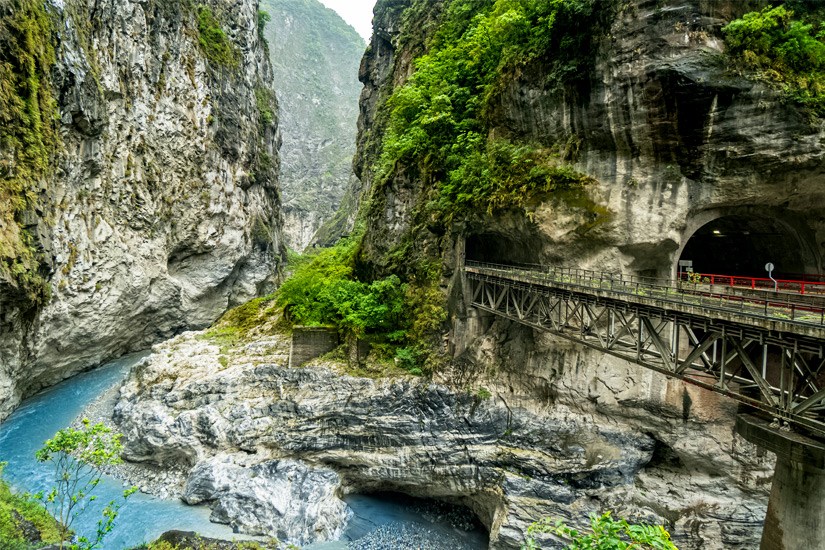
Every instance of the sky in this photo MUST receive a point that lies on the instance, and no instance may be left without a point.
(357, 13)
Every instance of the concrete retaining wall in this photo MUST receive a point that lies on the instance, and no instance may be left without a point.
(311, 342)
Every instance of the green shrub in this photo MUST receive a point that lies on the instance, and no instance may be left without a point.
(265, 100)
(783, 48)
(263, 19)
(607, 534)
(77, 457)
(324, 291)
(412, 358)
(214, 43)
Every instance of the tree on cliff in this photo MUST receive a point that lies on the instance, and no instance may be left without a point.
(608, 534)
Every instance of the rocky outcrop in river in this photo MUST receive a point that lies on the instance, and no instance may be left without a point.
(281, 498)
(160, 206)
(554, 431)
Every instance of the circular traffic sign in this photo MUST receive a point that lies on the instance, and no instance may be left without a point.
(769, 267)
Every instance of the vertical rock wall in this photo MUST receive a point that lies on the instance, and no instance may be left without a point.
(315, 56)
(161, 208)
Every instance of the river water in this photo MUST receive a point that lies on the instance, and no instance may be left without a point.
(143, 518)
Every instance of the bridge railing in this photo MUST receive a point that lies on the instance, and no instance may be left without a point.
(755, 283)
(790, 308)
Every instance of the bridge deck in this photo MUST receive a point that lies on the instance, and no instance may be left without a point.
(766, 353)
(797, 314)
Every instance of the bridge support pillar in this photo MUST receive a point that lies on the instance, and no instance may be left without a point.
(796, 509)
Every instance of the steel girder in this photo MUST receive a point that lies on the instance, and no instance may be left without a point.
(780, 374)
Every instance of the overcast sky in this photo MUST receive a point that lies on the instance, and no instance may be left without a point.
(357, 13)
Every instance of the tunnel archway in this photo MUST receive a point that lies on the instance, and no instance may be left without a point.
(741, 243)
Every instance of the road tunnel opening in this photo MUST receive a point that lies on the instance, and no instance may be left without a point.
(502, 249)
(742, 245)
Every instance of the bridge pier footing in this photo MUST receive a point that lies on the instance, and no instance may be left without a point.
(796, 509)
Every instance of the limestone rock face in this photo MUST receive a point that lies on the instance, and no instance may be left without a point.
(284, 499)
(315, 56)
(556, 431)
(162, 209)
(674, 137)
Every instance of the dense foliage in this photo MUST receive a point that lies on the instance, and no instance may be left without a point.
(14, 507)
(608, 534)
(28, 136)
(214, 43)
(441, 118)
(324, 291)
(784, 47)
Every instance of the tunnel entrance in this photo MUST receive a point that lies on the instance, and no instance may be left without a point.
(502, 249)
(741, 245)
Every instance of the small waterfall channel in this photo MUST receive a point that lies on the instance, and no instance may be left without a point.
(143, 518)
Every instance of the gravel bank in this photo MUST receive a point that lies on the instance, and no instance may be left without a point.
(408, 536)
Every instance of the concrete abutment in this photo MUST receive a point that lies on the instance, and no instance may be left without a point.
(796, 510)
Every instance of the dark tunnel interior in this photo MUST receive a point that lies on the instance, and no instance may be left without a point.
(742, 246)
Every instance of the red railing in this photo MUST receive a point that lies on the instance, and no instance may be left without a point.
(755, 283)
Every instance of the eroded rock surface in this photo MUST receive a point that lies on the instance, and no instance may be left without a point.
(281, 498)
(558, 432)
(162, 208)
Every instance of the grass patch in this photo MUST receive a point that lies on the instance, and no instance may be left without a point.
(15, 506)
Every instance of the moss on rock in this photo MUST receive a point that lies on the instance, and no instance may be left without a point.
(28, 138)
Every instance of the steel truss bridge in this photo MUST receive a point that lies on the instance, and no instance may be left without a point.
(766, 351)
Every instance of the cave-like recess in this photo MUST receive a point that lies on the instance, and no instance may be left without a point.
(741, 245)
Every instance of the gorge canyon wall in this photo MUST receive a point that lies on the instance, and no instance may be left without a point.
(160, 207)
